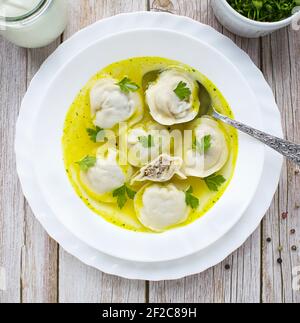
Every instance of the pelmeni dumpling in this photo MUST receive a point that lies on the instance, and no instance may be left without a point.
(210, 159)
(109, 105)
(106, 176)
(161, 169)
(165, 106)
(145, 143)
(158, 207)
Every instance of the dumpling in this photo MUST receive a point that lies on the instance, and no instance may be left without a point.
(105, 176)
(109, 105)
(162, 169)
(173, 98)
(210, 152)
(158, 207)
(145, 143)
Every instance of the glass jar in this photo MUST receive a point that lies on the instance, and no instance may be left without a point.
(32, 23)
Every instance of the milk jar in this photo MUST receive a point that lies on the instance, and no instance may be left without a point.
(32, 23)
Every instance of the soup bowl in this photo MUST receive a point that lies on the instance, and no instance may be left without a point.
(48, 156)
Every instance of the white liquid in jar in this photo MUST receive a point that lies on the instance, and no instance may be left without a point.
(41, 27)
(15, 8)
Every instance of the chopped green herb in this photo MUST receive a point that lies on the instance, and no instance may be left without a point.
(87, 162)
(126, 85)
(264, 10)
(204, 145)
(121, 192)
(190, 199)
(147, 141)
(213, 182)
(97, 134)
(130, 193)
(182, 91)
(121, 199)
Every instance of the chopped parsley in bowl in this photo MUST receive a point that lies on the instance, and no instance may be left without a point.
(265, 10)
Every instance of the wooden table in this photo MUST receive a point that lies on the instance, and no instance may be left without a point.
(38, 270)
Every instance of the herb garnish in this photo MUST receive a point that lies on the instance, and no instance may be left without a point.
(147, 141)
(202, 146)
(126, 85)
(213, 182)
(190, 199)
(122, 193)
(265, 10)
(96, 134)
(182, 91)
(87, 162)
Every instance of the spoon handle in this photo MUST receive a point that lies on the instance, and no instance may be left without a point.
(286, 148)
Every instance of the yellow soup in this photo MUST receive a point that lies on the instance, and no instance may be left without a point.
(77, 144)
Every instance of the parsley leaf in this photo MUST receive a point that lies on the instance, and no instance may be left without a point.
(213, 182)
(147, 141)
(121, 192)
(204, 145)
(121, 199)
(190, 199)
(126, 85)
(96, 134)
(182, 91)
(87, 162)
(130, 193)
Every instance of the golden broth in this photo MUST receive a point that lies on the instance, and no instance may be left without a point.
(77, 144)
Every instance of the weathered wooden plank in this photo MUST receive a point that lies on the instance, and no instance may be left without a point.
(241, 283)
(13, 85)
(85, 12)
(77, 282)
(39, 253)
(119, 290)
(282, 69)
(246, 271)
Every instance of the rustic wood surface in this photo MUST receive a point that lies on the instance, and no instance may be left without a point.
(38, 270)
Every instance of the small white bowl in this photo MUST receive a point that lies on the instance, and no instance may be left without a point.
(243, 26)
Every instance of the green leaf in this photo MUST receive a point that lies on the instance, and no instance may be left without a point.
(126, 85)
(121, 192)
(130, 193)
(147, 141)
(190, 190)
(204, 145)
(87, 162)
(97, 134)
(190, 199)
(121, 200)
(182, 91)
(213, 182)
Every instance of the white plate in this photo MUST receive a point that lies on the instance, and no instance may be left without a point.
(50, 170)
(179, 268)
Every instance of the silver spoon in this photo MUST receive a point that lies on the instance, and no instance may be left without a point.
(286, 148)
